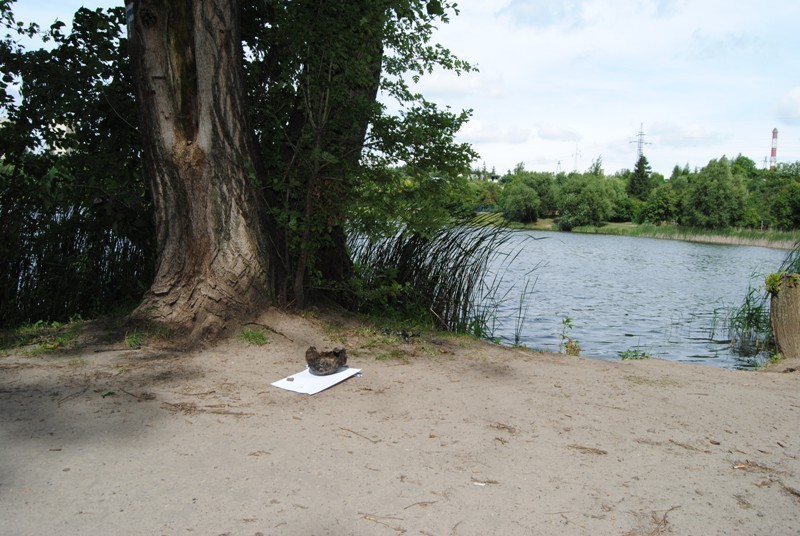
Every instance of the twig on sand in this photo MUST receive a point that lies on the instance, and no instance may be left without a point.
(588, 450)
(189, 408)
(689, 447)
(755, 467)
(101, 350)
(661, 523)
(375, 519)
(361, 435)
(423, 504)
(504, 427)
(139, 398)
(790, 490)
(71, 395)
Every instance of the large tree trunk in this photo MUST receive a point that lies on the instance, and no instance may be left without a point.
(785, 316)
(200, 163)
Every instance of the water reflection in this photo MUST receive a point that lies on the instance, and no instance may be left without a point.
(667, 298)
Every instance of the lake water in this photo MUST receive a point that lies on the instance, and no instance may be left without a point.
(667, 298)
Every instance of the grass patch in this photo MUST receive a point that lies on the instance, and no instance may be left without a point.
(134, 340)
(255, 337)
(633, 354)
(393, 353)
(42, 337)
(335, 331)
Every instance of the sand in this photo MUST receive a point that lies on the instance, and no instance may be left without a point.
(438, 436)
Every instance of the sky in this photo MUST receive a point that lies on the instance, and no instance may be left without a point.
(562, 83)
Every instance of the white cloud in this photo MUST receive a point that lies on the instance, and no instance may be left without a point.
(544, 12)
(478, 132)
(788, 109)
(558, 133)
(685, 135)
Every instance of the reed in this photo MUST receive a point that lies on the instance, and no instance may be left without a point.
(791, 264)
(445, 276)
(522, 309)
(749, 328)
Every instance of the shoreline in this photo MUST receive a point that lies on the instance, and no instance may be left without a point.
(745, 238)
(720, 240)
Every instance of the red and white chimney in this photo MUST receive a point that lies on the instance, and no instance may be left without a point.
(773, 155)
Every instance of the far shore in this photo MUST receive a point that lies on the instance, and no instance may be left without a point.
(733, 237)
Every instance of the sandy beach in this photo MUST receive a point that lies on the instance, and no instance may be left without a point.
(438, 436)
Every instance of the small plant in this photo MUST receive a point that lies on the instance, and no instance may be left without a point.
(633, 354)
(255, 337)
(774, 358)
(572, 347)
(774, 281)
(134, 340)
(568, 345)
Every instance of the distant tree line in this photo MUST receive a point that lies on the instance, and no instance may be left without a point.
(723, 194)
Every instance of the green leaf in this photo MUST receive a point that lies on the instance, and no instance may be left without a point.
(435, 8)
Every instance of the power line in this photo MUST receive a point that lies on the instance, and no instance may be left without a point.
(577, 154)
(639, 141)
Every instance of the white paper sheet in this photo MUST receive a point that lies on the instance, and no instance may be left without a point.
(310, 384)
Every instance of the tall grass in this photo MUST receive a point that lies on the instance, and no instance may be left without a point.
(749, 328)
(445, 275)
(791, 264)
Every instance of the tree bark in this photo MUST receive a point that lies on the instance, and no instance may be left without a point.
(785, 316)
(201, 165)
